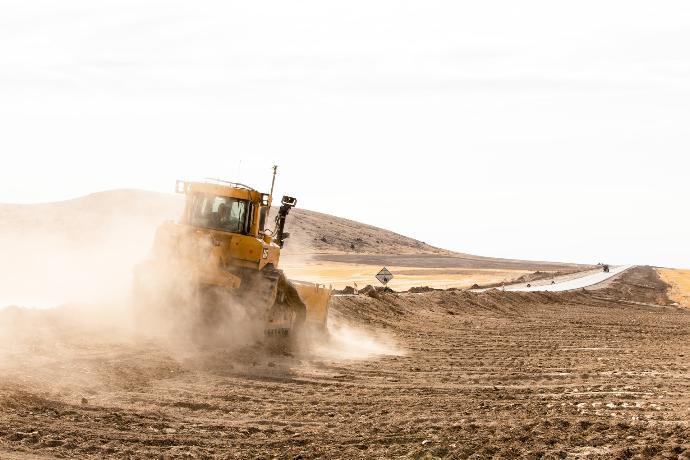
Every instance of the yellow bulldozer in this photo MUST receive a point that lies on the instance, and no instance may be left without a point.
(222, 258)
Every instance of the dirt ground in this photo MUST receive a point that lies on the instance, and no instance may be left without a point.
(443, 374)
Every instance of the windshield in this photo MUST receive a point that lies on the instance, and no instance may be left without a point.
(220, 212)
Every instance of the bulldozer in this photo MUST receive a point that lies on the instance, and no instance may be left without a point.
(221, 257)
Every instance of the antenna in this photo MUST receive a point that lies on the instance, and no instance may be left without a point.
(273, 182)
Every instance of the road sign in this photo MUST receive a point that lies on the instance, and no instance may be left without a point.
(384, 276)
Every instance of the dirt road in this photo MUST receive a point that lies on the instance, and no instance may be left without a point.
(445, 374)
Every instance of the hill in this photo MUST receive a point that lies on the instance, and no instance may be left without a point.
(88, 218)
(84, 250)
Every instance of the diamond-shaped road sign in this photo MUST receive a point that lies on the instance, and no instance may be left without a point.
(384, 276)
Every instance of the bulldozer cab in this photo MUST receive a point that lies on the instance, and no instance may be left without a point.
(220, 213)
(225, 206)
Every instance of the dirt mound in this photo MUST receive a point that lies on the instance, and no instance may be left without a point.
(639, 284)
(418, 289)
(530, 277)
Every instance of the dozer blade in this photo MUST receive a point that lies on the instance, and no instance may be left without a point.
(298, 305)
(316, 298)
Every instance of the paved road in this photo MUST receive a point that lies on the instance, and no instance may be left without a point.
(575, 283)
(590, 279)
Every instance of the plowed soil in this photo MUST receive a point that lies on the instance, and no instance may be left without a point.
(444, 374)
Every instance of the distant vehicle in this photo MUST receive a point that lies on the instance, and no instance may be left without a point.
(605, 267)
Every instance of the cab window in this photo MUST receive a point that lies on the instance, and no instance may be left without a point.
(220, 212)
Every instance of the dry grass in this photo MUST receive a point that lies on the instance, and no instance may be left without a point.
(341, 275)
(679, 280)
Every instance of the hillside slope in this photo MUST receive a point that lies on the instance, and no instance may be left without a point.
(88, 218)
(84, 250)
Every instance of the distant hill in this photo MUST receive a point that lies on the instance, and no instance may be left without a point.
(87, 219)
(129, 218)
(314, 232)
(84, 250)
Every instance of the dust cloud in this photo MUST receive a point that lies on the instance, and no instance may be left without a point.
(168, 306)
(65, 291)
(72, 321)
(348, 342)
(49, 270)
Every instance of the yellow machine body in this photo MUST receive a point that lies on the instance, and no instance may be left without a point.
(222, 241)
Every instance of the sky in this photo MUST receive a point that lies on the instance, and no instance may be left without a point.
(536, 130)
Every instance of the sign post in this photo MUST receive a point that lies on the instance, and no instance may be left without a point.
(384, 276)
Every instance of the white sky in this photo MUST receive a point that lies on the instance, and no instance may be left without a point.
(539, 130)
